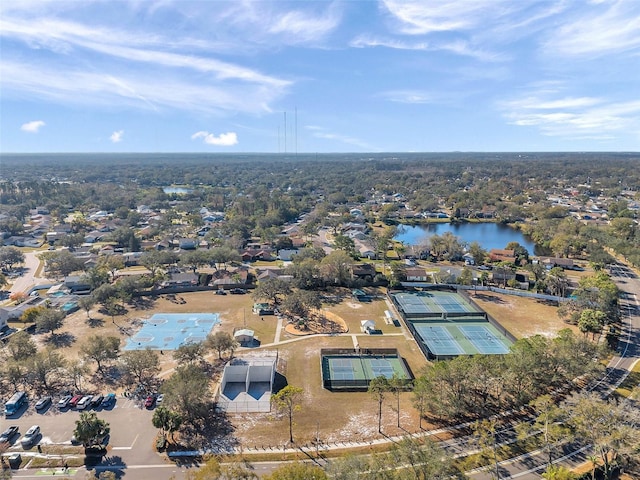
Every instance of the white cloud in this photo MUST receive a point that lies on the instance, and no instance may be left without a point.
(409, 96)
(223, 140)
(605, 28)
(304, 27)
(459, 47)
(418, 17)
(320, 132)
(75, 86)
(116, 137)
(32, 127)
(593, 118)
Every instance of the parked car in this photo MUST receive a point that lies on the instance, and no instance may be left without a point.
(64, 401)
(159, 399)
(43, 403)
(237, 291)
(9, 433)
(150, 401)
(109, 399)
(84, 402)
(96, 400)
(220, 292)
(30, 437)
(74, 400)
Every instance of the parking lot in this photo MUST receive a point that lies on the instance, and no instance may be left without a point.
(131, 435)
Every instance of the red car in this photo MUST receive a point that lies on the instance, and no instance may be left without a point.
(150, 401)
(74, 400)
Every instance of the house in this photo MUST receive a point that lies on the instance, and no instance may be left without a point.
(262, 309)
(502, 255)
(364, 271)
(551, 262)
(187, 244)
(368, 326)
(181, 279)
(366, 252)
(417, 274)
(286, 254)
(77, 284)
(244, 336)
(252, 255)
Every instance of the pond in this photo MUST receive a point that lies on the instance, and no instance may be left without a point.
(489, 235)
(177, 190)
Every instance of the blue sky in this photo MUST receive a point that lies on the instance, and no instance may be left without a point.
(352, 76)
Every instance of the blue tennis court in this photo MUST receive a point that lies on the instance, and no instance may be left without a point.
(433, 302)
(483, 339)
(438, 340)
(167, 331)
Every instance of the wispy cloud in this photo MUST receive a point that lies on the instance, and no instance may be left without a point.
(223, 140)
(574, 117)
(32, 127)
(409, 96)
(76, 86)
(417, 17)
(303, 26)
(322, 133)
(116, 137)
(605, 28)
(458, 47)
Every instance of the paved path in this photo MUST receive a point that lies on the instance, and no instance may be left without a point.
(28, 279)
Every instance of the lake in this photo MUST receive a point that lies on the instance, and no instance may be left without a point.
(177, 190)
(488, 235)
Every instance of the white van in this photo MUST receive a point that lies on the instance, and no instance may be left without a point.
(84, 402)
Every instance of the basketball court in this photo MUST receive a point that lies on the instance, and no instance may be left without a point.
(167, 331)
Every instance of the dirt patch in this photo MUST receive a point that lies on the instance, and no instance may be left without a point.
(325, 322)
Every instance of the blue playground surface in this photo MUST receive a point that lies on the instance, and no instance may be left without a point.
(167, 331)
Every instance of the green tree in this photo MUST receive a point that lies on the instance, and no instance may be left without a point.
(21, 346)
(485, 433)
(272, 289)
(558, 472)
(86, 302)
(612, 429)
(478, 253)
(10, 256)
(187, 391)
(336, 267)
(140, 366)
(49, 320)
(90, 430)
(297, 471)
(591, 321)
(101, 349)
(221, 342)
(378, 389)
(189, 353)
(421, 395)
(45, 368)
(549, 418)
(396, 386)
(287, 402)
(166, 420)
(30, 315)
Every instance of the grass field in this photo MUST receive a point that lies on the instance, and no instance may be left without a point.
(523, 317)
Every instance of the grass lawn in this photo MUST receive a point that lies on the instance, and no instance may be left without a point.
(523, 317)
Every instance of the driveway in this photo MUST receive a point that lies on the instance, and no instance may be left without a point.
(28, 278)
